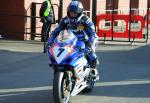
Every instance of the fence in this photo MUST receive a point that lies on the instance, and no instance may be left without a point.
(36, 25)
(123, 21)
(119, 27)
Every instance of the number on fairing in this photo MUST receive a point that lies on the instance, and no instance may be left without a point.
(60, 51)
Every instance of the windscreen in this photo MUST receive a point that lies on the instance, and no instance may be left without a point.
(66, 36)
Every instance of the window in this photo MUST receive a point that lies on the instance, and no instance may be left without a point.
(134, 7)
(112, 5)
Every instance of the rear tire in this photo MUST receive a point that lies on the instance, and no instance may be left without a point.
(60, 92)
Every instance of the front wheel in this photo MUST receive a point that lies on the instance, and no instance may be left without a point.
(61, 92)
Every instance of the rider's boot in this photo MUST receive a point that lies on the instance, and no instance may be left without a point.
(94, 71)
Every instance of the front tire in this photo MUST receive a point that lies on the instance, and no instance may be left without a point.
(61, 93)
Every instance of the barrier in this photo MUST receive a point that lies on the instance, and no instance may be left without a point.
(113, 19)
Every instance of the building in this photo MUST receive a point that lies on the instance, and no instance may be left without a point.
(17, 16)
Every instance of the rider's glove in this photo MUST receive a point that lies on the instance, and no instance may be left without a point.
(50, 42)
(87, 50)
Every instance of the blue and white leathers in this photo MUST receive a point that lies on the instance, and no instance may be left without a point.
(83, 28)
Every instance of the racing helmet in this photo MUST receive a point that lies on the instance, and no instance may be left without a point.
(75, 6)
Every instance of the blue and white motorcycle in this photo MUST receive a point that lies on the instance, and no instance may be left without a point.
(72, 73)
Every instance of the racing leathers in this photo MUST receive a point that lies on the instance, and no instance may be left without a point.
(84, 30)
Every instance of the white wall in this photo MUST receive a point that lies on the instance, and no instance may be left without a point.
(101, 6)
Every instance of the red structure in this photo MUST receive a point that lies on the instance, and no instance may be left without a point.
(126, 33)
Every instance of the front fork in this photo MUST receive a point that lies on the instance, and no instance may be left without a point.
(69, 80)
(68, 75)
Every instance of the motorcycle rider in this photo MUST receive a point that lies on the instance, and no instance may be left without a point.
(83, 28)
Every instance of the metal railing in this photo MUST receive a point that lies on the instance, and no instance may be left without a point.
(117, 25)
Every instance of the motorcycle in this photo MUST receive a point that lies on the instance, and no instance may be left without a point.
(72, 73)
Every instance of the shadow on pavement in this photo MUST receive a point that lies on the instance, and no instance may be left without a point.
(25, 77)
(124, 73)
(27, 97)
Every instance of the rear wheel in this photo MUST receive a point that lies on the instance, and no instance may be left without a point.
(61, 92)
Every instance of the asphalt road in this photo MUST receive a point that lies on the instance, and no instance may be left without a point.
(26, 78)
